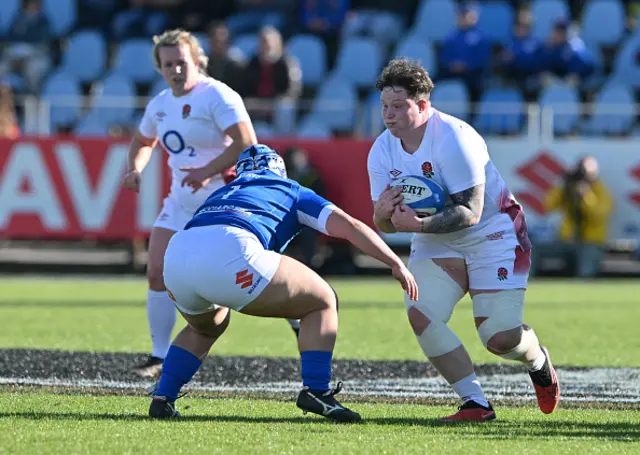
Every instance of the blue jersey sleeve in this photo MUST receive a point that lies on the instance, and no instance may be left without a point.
(313, 210)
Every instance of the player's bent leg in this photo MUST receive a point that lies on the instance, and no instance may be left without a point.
(445, 280)
(498, 318)
(161, 313)
(297, 292)
(185, 357)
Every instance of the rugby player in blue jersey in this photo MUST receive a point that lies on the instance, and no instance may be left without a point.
(228, 257)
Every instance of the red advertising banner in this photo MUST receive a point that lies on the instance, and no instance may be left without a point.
(72, 189)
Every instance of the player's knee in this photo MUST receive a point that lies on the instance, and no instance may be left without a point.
(213, 328)
(418, 320)
(155, 277)
(506, 341)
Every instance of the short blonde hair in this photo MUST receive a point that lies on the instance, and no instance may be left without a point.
(179, 37)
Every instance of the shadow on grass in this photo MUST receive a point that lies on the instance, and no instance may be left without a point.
(620, 431)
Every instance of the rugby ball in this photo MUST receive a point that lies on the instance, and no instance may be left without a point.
(423, 195)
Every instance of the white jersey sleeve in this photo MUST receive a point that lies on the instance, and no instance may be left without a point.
(462, 158)
(147, 125)
(379, 176)
(227, 108)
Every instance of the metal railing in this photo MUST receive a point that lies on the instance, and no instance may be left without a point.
(288, 117)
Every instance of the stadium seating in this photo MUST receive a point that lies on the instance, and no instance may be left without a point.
(8, 10)
(246, 44)
(613, 112)
(91, 126)
(501, 111)
(372, 123)
(359, 61)
(384, 27)
(158, 86)
(335, 104)
(86, 55)
(415, 47)
(626, 68)
(311, 53)
(452, 97)
(544, 14)
(263, 130)
(435, 19)
(63, 93)
(602, 22)
(313, 128)
(563, 101)
(114, 100)
(62, 15)
(496, 21)
(134, 60)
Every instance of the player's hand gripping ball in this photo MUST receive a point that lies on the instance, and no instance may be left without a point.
(423, 195)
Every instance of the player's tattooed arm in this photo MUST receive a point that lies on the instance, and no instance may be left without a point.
(465, 212)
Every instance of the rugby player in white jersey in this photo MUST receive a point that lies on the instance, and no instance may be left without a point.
(203, 125)
(477, 244)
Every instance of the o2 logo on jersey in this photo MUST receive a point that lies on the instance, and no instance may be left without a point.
(174, 143)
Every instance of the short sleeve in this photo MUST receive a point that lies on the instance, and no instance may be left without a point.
(379, 176)
(147, 125)
(462, 158)
(228, 108)
(313, 210)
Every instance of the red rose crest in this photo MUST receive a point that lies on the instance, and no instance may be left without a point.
(503, 274)
(427, 169)
(186, 110)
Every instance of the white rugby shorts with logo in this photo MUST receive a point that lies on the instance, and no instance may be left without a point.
(210, 266)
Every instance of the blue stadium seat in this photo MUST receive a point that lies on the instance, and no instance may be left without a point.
(383, 26)
(435, 19)
(204, 41)
(246, 44)
(335, 104)
(359, 61)
(544, 14)
(114, 100)
(313, 128)
(372, 121)
(134, 60)
(86, 55)
(284, 117)
(263, 130)
(496, 21)
(8, 10)
(91, 125)
(15, 81)
(564, 102)
(452, 98)
(417, 48)
(311, 53)
(626, 69)
(63, 92)
(501, 111)
(62, 14)
(614, 111)
(602, 22)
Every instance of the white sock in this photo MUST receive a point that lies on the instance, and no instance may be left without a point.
(294, 323)
(161, 315)
(469, 389)
(537, 363)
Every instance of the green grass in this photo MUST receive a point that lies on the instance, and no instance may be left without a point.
(590, 324)
(51, 424)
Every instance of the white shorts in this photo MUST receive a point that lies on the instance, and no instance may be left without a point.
(173, 215)
(495, 259)
(210, 266)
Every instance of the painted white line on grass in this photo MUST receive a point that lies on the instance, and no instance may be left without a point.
(596, 385)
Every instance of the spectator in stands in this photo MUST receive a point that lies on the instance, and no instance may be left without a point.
(27, 46)
(251, 15)
(466, 53)
(305, 247)
(224, 65)
(98, 13)
(586, 206)
(9, 128)
(565, 54)
(143, 18)
(324, 18)
(520, 60)
(270, 76)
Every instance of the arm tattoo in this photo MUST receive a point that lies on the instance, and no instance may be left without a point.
(465, 212)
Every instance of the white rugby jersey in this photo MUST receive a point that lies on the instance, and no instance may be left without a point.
(455, 156)
(190, 129)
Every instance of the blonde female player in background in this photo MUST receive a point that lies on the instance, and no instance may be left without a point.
(203, 125)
